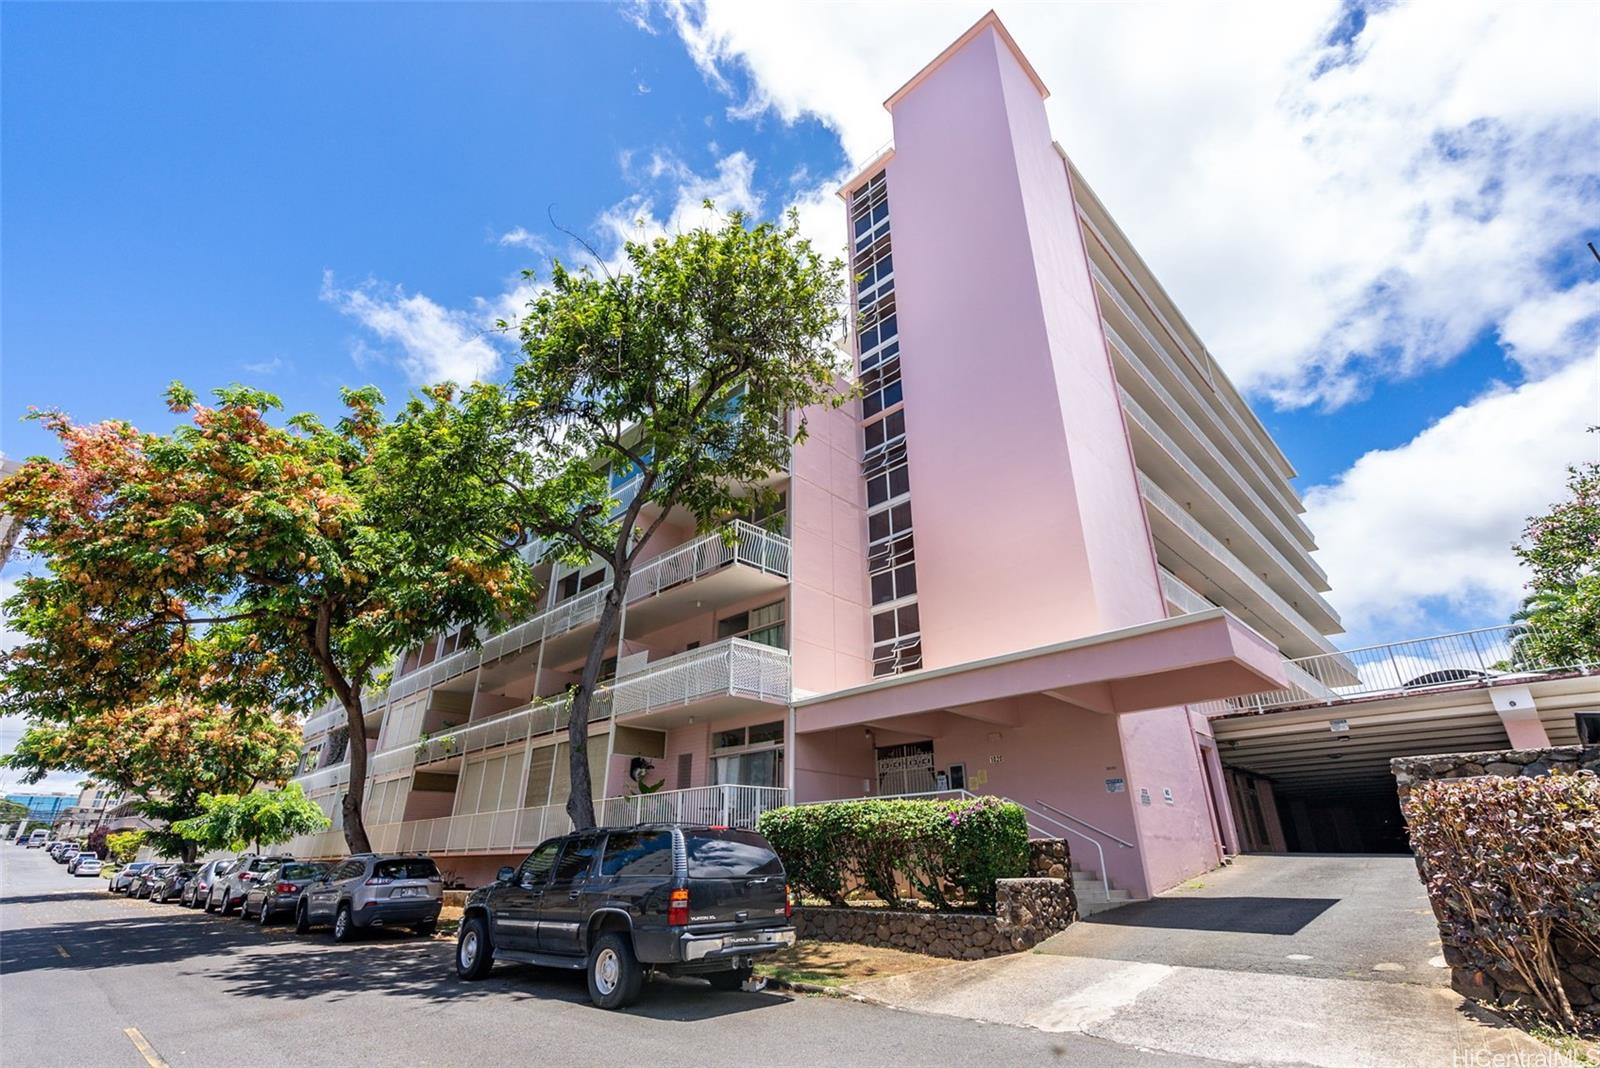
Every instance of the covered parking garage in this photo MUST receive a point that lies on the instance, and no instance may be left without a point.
(1315, 777)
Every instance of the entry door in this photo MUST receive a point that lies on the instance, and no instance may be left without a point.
(561, 910)
(516, 906)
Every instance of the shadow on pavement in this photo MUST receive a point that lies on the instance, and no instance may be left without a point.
(85, 894)
(1238, 915)
(273, 963)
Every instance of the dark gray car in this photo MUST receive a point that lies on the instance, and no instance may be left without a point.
(196, 889)
(373, 890)
(277, 892)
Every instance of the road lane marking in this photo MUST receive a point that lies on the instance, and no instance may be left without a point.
(62, 950)
(147, 1051)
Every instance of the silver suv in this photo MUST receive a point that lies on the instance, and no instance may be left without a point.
(373, 890)
(227, 892)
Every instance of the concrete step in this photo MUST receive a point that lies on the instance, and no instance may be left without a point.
(1091, 904)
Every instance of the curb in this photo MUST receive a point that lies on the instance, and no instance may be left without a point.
(798, 987)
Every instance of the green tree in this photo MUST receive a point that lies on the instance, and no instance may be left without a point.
(11, 812)
(165, 755)
(688, 375)
(230, 821)
(1561, 549)
(243, 563)
(123, 846)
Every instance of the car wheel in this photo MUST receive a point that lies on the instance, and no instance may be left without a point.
(266, 915)
(615, 977)
(302, 919)
(732, 979)
(226, 908)
(344, 927)
(210, 904)
(427, 929)
(474, 951)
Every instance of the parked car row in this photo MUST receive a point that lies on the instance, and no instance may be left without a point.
(616, 903)
(78, 859)
(364, 891)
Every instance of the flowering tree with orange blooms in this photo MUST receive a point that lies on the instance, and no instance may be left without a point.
(167, 754)
(250, 564)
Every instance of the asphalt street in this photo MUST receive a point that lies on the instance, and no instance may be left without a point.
(87, 978)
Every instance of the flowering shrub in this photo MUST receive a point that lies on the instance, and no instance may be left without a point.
(1512, 866)
(933, 846)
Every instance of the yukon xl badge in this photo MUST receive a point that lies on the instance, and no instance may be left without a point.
(694, 918)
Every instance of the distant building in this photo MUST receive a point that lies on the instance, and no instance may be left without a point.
(43, 808)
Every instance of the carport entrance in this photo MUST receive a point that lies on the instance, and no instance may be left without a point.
(1315, 779)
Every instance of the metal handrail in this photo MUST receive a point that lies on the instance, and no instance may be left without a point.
(1123, 842)
(1105, 873)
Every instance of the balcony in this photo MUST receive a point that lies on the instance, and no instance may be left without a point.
(324, 778)
(733, 675)
(1180, 596)
(1289, 508)
(740, 561)
(1218, 466)
(1219, 512)
(519, 829)
(1172, 525)
(1465, 658)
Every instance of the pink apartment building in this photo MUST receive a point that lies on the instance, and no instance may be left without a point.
(1047, 535)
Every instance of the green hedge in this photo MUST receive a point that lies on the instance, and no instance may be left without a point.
(936, 846)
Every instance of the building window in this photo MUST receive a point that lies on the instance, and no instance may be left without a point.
(881, 388)
(896, 640)
(748, 756)
(578, 582)
(764, 625)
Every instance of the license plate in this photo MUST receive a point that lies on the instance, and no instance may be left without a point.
(409, 891)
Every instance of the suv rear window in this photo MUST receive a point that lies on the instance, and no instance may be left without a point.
(728, 854)
(412, 868)
(633, 853)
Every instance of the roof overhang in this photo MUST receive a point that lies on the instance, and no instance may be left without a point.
(1202, 656)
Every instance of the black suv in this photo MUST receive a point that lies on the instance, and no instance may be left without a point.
(620, 901)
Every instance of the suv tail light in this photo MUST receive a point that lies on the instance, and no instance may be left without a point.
(380, 880)
(788, 902)
(678, 908)
(286, 888)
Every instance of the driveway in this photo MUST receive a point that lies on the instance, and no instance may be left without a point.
(1275, 960)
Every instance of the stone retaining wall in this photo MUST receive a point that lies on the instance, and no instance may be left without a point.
(1027, 912)
(1580, 972)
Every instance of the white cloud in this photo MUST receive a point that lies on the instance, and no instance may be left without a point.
(266, 367)
(1327, 215)
(1434, 519)
(435, 343)
(521, 237)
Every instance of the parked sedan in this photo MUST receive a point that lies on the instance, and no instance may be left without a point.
(147, 879)
(78, 858)
(197, 889)
(278, 891)
(86, 864)
(124, 878)
(170, 885)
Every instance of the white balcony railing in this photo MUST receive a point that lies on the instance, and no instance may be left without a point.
(1463, 658)
(1180, 596)
(725, 806)
(733, 667)
(324, 778)
(739, 543)
(1163, 502)
(1213, 493)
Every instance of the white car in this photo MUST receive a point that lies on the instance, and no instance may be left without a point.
(86, 864)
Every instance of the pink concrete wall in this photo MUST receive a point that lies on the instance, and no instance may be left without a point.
(695, 739)
(1028, 525)
(832, 764)
(830, 631)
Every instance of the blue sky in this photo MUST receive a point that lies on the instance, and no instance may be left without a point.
(1375, 219)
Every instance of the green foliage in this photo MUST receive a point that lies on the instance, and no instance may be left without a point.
(933, 846)
(230, 821)
(11, 812)
(689, 374)
(123, 846)
(1512, 866)
(1561, 550)
(248, 563)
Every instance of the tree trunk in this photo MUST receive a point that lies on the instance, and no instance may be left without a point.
(355, 830)
(580, 795)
